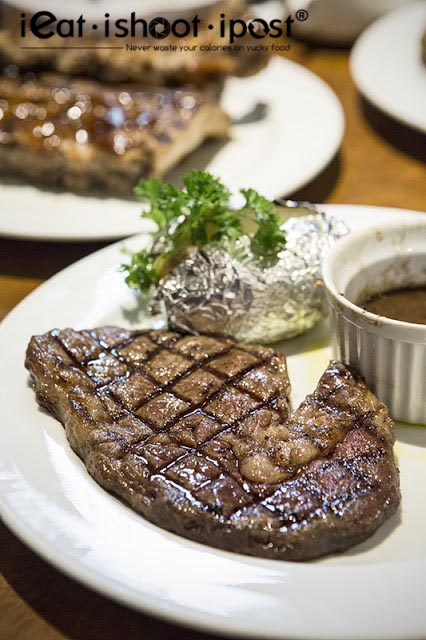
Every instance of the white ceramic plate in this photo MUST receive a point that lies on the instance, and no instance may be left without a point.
(300, 133)
(387, 67)
(375, 590)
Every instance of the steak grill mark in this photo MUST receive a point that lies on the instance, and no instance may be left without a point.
(194, 366)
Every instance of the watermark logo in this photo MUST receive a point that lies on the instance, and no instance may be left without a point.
(45, 25)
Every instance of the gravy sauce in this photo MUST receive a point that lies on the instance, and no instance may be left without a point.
(406, 305)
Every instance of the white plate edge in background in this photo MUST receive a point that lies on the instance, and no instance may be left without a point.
(392, 40)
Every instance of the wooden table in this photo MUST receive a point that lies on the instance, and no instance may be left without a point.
(380, 163)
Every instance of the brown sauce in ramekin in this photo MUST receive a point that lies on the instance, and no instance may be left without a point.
(406, 305)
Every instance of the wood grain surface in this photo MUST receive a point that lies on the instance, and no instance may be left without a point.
(380, 163)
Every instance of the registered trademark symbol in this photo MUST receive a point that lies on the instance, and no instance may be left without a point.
(302, 15)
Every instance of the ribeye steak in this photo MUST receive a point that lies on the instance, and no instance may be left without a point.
(195, 433)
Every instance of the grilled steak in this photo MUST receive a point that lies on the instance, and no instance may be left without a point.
(195, 433)
(81, 134)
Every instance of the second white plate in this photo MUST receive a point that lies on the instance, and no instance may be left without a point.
(387, 67)
(299, 134)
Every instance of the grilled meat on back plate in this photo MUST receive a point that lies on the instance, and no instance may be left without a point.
(199, 58)
(187, 63)
(81, 134)
(195, 433)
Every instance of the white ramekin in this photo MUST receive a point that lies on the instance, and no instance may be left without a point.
(391, 355)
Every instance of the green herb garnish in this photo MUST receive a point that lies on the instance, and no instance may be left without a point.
(196, 216)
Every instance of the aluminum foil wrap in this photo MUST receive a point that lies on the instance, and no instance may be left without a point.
(224, 292)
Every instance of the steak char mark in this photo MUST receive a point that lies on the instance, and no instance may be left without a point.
(195, 433)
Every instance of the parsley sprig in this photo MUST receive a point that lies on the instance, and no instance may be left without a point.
(199, 215)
